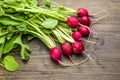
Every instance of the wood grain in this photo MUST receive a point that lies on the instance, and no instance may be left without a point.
(107, 51)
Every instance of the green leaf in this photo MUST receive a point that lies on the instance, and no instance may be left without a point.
(9, 45)
(22, 26)
(2, 39)
(9, 36)
(25, 49)
(10, 1)
(50, 23)
(33, 2)
(47, 3)
(1, 49)
(8, 21)
(1, 11)
(2, 42)
(46, 31)
(10, 63)
(16, 17)
(30, 37)
(18, 40)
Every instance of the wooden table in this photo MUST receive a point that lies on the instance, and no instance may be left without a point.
(107, 51)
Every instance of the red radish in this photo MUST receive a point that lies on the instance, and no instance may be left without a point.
(78, 37)
(72, 21)
(85, 31)
(78, 48)
(55, 54)
(82, 12)
(67, 50)
(85, 20)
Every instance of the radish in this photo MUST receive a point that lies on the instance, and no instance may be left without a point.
(78, 48)
(67, 50)
(85, 20)
(82, 12)
(72, 21)
(86, 31)
(55, 54)
(84, 16)
(78, 37)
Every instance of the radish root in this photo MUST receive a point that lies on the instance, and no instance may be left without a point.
(71, 59)
(100, 18)
(83, 61)
(88, 55)
(97, 13)
(65, 64)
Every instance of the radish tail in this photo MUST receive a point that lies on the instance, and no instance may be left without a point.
(89, 36)
(100, 18)
(88, 55)
(88, 41)
(98, 13)
(71, 59)
(83, 61)
(97, 35)
(65, 64)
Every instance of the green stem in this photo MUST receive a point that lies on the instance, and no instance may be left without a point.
(46, 38)
(42, 38)
(64, 36)
(58, 36)
(58, 5)
(62, 30)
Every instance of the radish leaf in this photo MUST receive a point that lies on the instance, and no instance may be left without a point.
(9, 45)
(8, 21)
(50, 23)
(25, 49)
(10, 63)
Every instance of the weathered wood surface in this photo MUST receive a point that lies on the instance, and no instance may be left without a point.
(107, 52)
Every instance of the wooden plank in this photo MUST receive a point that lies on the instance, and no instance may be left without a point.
(107, 51)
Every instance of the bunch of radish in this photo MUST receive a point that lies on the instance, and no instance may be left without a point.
(80, 26)
(80, 29)
(79, 21)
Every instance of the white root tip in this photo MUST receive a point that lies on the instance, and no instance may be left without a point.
(97, 35)
(65, 64)
(83, 61)
(88, 41)
(88, 56)
(98, 13)
(71, 59)
(100, 18)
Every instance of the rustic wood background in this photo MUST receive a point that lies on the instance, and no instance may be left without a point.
(106, 54)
